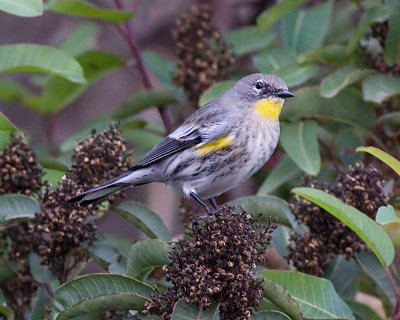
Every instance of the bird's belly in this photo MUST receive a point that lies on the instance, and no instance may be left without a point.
(226, 179)
(225, 170)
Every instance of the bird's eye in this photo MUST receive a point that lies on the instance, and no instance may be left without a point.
(259, 85)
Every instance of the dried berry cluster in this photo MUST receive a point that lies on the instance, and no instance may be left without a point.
(361, 187)
(19, 168)
(99, 158)
(203, 57)
(59, 229)
(18, 293)
(216, 263)
(374, 57)
(20, 172)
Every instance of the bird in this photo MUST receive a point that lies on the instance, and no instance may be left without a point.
(215, 149)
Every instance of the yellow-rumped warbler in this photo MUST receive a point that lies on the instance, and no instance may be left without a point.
(220, 145)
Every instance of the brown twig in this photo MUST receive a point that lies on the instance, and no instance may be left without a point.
(128, 33)
(396, 312)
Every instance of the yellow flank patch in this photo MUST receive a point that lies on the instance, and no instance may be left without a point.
(269, 108)
(215, 145)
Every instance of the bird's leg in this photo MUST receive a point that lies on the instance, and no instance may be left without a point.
(199, 201)
(213, 202)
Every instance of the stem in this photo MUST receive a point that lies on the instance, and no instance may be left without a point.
(396, 312)
(128, 33)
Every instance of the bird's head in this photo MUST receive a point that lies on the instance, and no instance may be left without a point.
(264, 93)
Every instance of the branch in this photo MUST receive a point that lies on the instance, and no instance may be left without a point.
(396, 312)
(128, 33)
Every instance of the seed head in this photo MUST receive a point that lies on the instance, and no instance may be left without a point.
(203, 57)
(359, 186)
(20, 171)
(216, 261)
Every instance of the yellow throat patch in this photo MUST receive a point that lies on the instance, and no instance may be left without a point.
(215, 145)
(269, 108)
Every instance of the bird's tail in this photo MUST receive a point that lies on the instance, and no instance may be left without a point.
(124, 180)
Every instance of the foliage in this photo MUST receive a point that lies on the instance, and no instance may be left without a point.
(341, 59)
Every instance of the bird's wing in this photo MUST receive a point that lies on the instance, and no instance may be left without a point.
(167, 147)
(203, 126)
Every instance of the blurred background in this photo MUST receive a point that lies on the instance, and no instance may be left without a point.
(147, 65)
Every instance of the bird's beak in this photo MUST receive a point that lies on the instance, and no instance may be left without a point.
(285, 94)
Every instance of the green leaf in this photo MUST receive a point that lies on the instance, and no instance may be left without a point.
(282, 62)
(145, 255)
(98, 124)
(374, 269)
(387, 215)
(300, 141)
(185, 311)
(54, 169)
(7, 312)
(392, 162)
(341, 272)
(267, 18)
(144, 219)
(270, 315)
(22, 8)
(390, 118)
(121, 244)
(342, 78)
(281, 239)
(49, 162)
(142, 101)
(392, 43)
(263, 207)
(8, 270)
(272, 60)
(6, 127)
(367, 229)
(80, 39)
(284, 171)
(39, 58)
(59, 92)
(215, 91)
(316, 297)
(363, 311)
(280, 297)
(17, 207)
(13, 91)
(300, 33)
(346, 107)
(248, 39)
(81, 8)
(346, 141)
(41, 273)
(40, 305)
(332, 53)
(378, 88)
(343, 25)
(295, 74)
(162, 68)
(100, 292)
(104, 254)
(5, 124)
